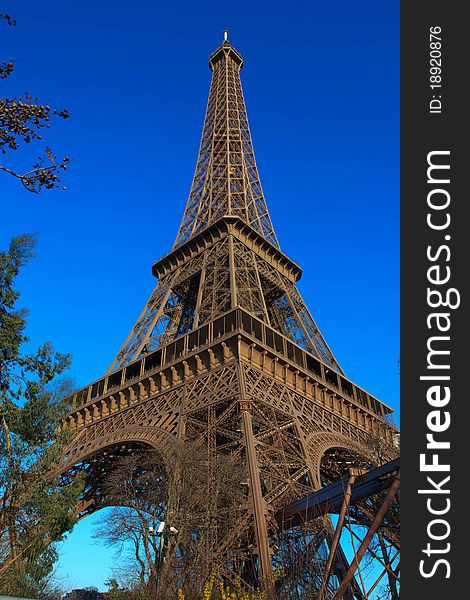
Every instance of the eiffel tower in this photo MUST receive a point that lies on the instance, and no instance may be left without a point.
(226, 354)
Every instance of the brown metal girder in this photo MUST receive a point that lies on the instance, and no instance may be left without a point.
(374, 554)
(337, 534)
(368, 538)
(329, 498)
(227, 225)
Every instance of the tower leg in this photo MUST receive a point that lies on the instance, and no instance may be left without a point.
(258, 507)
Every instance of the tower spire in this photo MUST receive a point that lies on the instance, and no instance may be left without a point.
(226, 180)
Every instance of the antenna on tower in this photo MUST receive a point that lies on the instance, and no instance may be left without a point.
(226, 32)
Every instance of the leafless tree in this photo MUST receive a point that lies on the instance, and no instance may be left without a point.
(197, 498)
(22, 121)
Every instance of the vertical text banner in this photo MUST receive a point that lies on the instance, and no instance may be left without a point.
(435, 266)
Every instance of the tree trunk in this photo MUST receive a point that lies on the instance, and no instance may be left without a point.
(10, 516)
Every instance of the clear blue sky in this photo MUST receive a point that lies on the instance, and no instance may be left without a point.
(321, 82)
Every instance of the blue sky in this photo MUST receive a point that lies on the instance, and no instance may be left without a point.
(321, 83)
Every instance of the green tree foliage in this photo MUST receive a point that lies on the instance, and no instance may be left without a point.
(22, 120)
(115, 591)
(35, 512)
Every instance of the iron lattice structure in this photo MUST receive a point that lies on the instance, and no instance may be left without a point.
(226, 355)
(226, 192)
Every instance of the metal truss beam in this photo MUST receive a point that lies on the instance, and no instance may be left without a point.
(330, 499)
